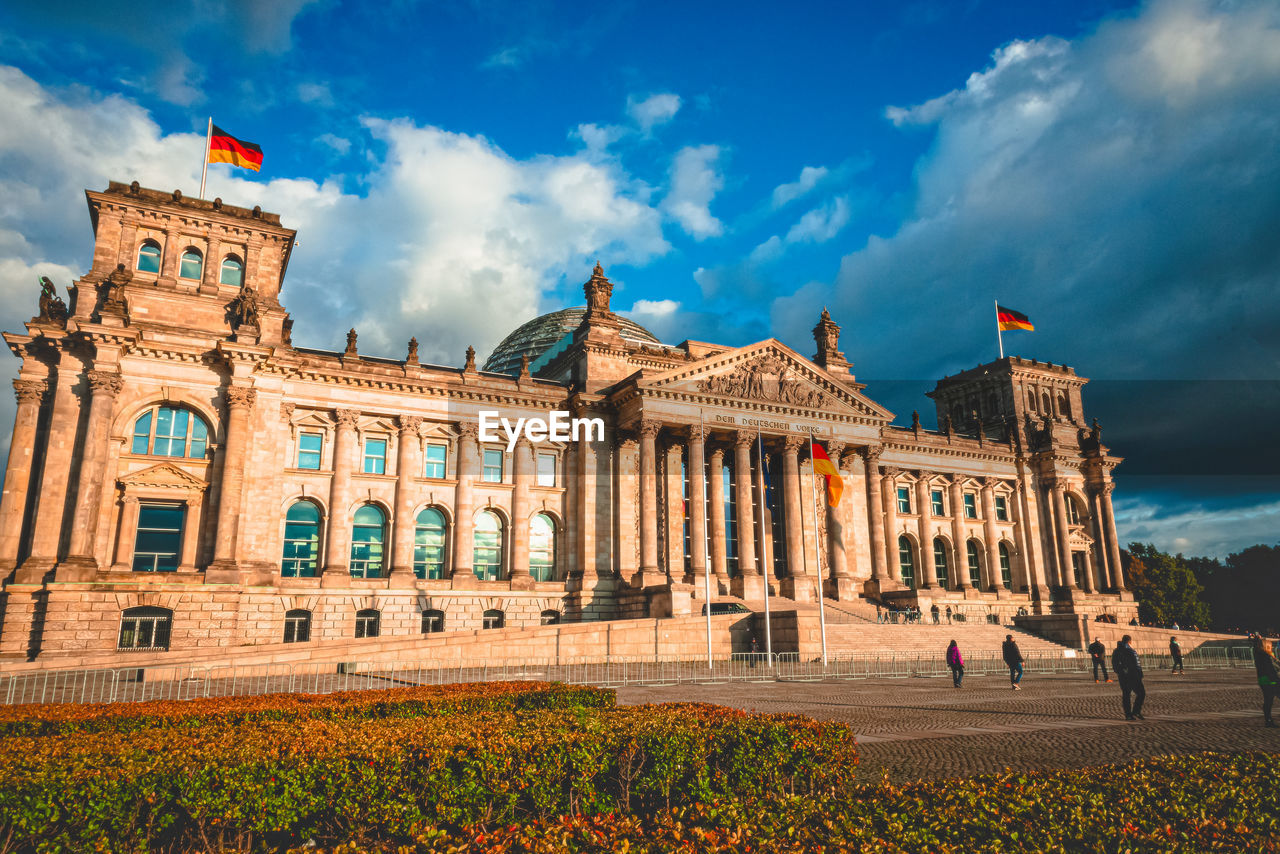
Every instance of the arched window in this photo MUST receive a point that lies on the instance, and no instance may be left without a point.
(1031, 400)
(368, 623)
(368, 531)
(301, 540)
(1006, 575)
(494, 619)
(1073, 511)
(428, 544)
(906, 562)
(232, 271)
(940, 561)
(149, 257)
(542, 547)
(1046, 408)
(432, 621)
(975, 566)
(487, 554)
(167, 431)
(550, 618)
(297, 626)
(192, 265)
(1064, 407)
(145, 629)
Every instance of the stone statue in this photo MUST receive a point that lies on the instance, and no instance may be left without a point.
(915, 421)
(524, 366)
(244, 309)
(412, 358)
(598, 290)
(111, 290)
(286, 331)
(351, 343)
(470, 366)
(52, 308)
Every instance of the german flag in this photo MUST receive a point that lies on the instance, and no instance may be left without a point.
(1010, 319)
(822, 465)
(225, 148)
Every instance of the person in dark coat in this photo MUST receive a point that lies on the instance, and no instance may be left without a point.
(934, 611)
(1175, 651)
(1013, 658)
(1128, 668)
(1268, 667)
(956, 662)
(1098, 652)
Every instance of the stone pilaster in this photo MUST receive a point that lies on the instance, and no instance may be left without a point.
(225, 568)
(1113, 543)
(1068, 576)
(522, 478)
(797, 585)
(875, 517)
(337, 550)
(991, 539)
(649, 572)
(408, 465)
(959, 543)
(719, 532)
(190, 533)
(929, 575)
(80, 564)
(18, 470)
(129, 510)
(696, 472)
(464, 506)
(587, 507)
(889, 501)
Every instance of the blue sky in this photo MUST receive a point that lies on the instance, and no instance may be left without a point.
(455, 168)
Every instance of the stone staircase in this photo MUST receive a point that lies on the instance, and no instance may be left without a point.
(974, 639)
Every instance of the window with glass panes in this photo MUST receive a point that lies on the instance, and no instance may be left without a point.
(192, 265)
(368, 531)
(428, 544)
(1006, 574)
(309, 448)
(435, 458)
(1078, 567)
(432, 621)
(546, 469)
(149, 258)
(167, 431)
(778, 522)
(368, 623)
(975, 567)
(904, 499)
(940, 562)
(301, 540)
(730, 522)
(970, 506)
(375, 456)
(159, 539)
(550, 618)
(487, 547)
(906, 562)
(493, 619)
(232, 272)
(935, 499)
(297, 626)
(492, 472)
(542, 548)
(1002, 509)
(145, 629)
(1073, 511)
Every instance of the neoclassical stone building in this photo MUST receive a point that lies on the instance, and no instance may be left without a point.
(181, 475)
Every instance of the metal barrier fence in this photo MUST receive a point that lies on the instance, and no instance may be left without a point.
(185, 682)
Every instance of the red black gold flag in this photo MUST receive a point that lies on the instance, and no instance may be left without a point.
(225, 148)
(823, 465)
(1010, 319)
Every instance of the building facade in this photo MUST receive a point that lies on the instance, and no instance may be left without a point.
(182, 476)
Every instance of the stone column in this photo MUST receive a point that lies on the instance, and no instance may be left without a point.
(991, 539)
(889, 501)
(212, 267)
(1099, 539)
(1113, 544)
(190, 534)
(128, 533)
(875, 512)
(225, 567)
(839, 583)
(407, 467)
(464, 506)
(719, 533)
(696, 471)
(588, 537)
(1023, 511)
(795, 585)
(80, 564)
(930, 573)
(17, 473)
(1059, 491)
(522, 478)
(60, 443)
(958, 539)
(673, 510)
(742, 476)
(649, 502)
(337, 541)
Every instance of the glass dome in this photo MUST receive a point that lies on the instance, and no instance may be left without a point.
(542, 334)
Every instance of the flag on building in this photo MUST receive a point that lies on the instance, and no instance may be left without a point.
(225, 148)
(770, 500)
(1010, 319)
(822, 465)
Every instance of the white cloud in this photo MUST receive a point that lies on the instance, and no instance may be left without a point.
(821, 224)
(315, 93)
(695, 180)
(1195, 528)
(337, 143)
(654, 110)
(809, 178)
(598, 138)
(507, 57)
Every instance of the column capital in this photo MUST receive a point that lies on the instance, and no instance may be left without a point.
(870, 454)
(890, 471)
(744, 439)
(834, 450)
(990, 482)
(108, 383)
(717, 451)
(347, 417)
(409, 424)
(30, 391)
(1107, 488)
(286, 411)
(792, 443)
(241, 398)
(697, 433)
(469, 430)
(625, 443)
(649, 428)
(129, 499)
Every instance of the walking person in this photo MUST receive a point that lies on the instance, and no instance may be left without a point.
(956, 662)
(934, 611)
(1175, 650)
(1013, 658)
(1128, 668)
(948, 615)
(1098, 652)
(1268, 667)
(755, 650)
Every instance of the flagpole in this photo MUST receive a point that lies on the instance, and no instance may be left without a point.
(766, 570)
(706, 554)
(817, 550)
(204, 169)
(999, 331)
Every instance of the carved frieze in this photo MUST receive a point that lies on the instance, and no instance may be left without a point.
(765, 378)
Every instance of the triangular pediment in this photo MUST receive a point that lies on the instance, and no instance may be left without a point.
(163, 476)
(770, 373)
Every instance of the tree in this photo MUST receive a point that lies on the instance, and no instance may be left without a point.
(1165, 586)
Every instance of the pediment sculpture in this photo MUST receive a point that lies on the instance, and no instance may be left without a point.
(765, 378)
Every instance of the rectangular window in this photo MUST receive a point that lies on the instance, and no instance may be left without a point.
(970, 506)
(492, 466)
(935, 498)
(1002, 509)
(436, 457)
(159, 538)
(546, 469)
(309, 445)
(297, 629)
(904, 499)
(375, 456)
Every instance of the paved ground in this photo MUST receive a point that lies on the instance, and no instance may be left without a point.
(925, 728)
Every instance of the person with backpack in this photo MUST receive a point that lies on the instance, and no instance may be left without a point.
(1098, 652)
(956, 662)
(1013, 658)
(1175, 651)
(1128, 668)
